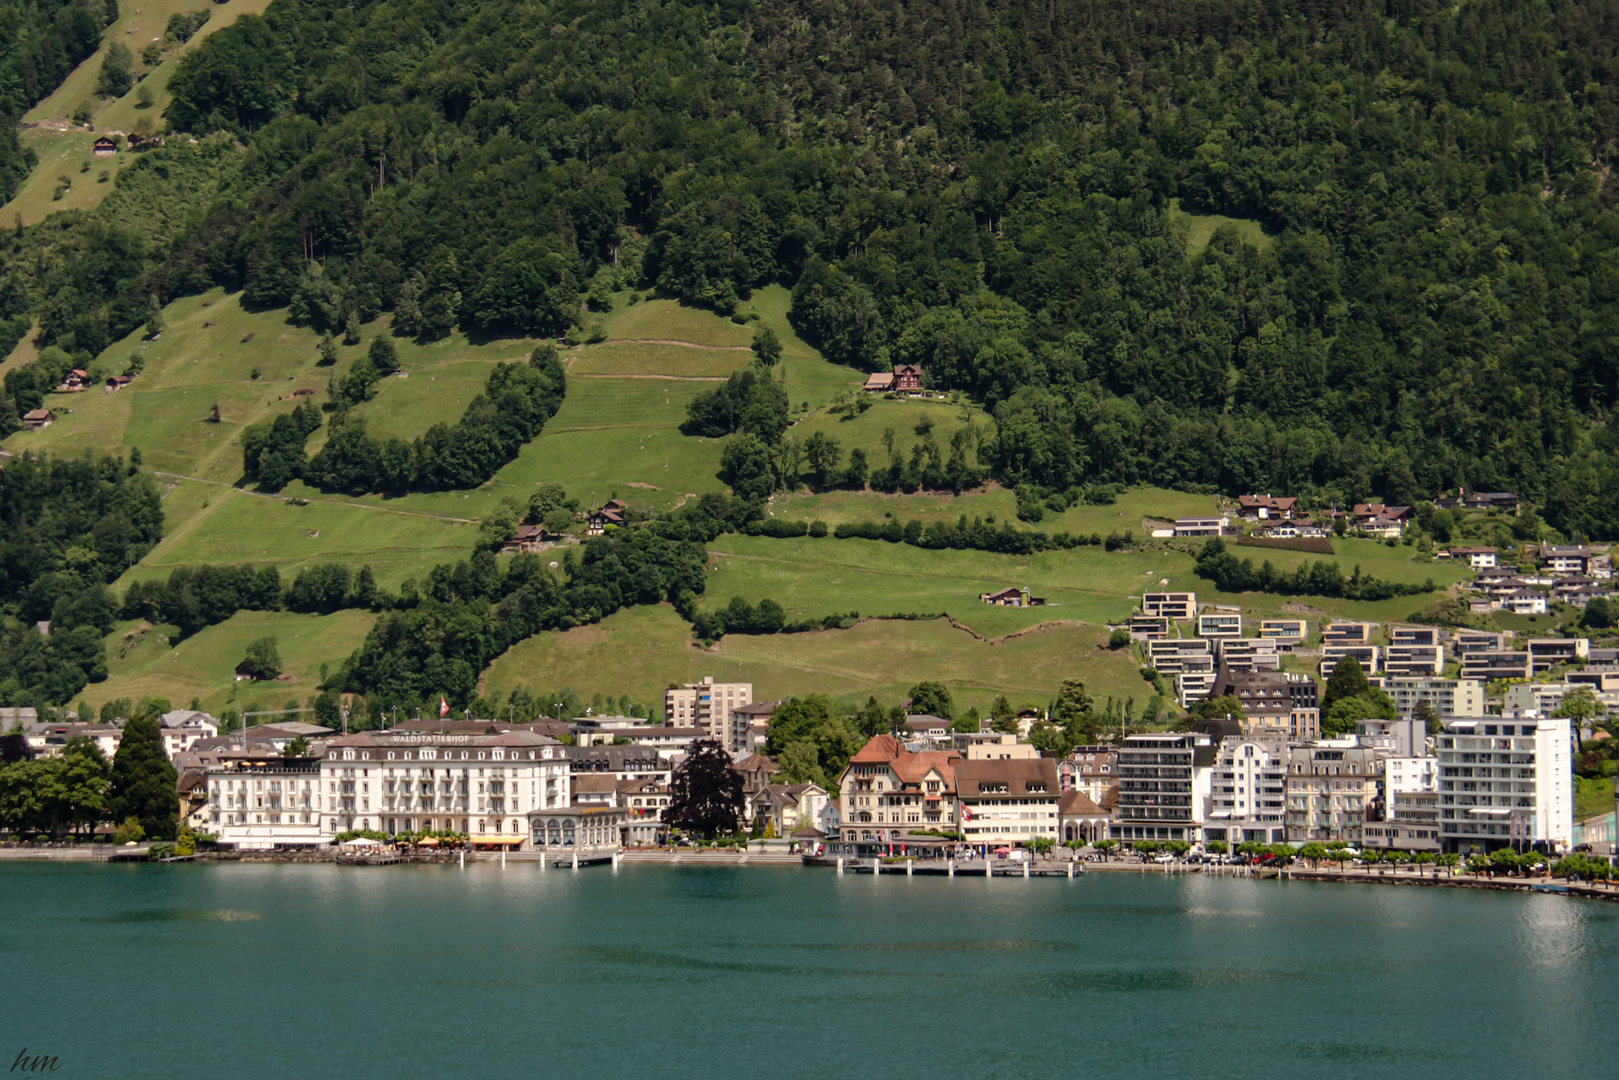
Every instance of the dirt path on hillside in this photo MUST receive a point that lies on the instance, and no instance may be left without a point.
(328, 502)
(675, 378)
(677, 344)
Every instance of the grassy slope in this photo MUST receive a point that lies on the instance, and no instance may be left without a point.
(66, 151)
(619, 434)
(642, 650)
(142, 664)
(1200, 229)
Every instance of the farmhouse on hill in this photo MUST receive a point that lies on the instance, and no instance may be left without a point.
(116, 383)
(105, 145)
(247, 670)
(907, 377)
(880, 382)
(1012, 596)
(38, 419)
(611, 513)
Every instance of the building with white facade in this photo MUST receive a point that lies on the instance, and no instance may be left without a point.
(1505, 781)
(1248, 793)
(709, 705)
(1219, 624)
(1007, 801)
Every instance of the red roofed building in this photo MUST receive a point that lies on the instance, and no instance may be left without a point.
(888, 791)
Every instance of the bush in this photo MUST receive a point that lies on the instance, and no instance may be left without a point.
(817, 529)
(129, 831)
(1118, 639)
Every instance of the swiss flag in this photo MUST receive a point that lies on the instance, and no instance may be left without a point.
(443, 707)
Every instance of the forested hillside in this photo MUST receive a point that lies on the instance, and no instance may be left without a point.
(990, 190)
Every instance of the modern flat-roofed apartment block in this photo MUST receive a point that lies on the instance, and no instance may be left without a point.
(1176, 606)
(1505, 781)
(709, 704)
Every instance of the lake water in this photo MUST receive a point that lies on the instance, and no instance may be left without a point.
(292, 971)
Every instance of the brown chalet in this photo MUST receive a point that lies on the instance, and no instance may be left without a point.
(907, 377)
(528, 538)
(74, 381)
(881, 382)
(1266, 507)
(117, 382)
(1364, 512)
(604, 517)
(104, 145)
(38, 419)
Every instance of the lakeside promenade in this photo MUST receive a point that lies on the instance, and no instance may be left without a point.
(81, 853)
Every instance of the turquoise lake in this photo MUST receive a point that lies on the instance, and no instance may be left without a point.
(292, 971)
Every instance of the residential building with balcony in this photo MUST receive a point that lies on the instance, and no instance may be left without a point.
(887, 791)
(1447, 697)
(1331, 786)
(710, 705)
(1248, 654)
(1089, 769)
(1164, 786)
(1347, 633)
(1286, 632)
(1148, 627)
(1412, 824)
(1219, 624)
(1505, 781)
(1558, 559)
(1368, 656)
(1547, 653)
(1484, 667)
(1175, 606)
(1248, 792)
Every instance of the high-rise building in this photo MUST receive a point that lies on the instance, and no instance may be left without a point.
(712, 705)
(1505, 781)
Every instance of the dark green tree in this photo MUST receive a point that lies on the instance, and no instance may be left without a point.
(932, 699)
(143, 779)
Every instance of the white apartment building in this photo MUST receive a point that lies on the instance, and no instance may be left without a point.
(182, 727)
(1248, 793)
(709, 704)
(263, 803)
(1505, 781)
(1404, 775)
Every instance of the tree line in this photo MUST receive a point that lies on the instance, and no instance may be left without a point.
(516, 402)
(1418, 299)
(1216, 564)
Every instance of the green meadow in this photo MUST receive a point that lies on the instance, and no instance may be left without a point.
(641, 651)
(65, 152)
(142, 663)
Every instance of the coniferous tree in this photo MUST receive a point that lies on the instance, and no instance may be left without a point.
(143, 779)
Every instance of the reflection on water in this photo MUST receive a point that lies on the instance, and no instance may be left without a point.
(200, 915)
(712, 971)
